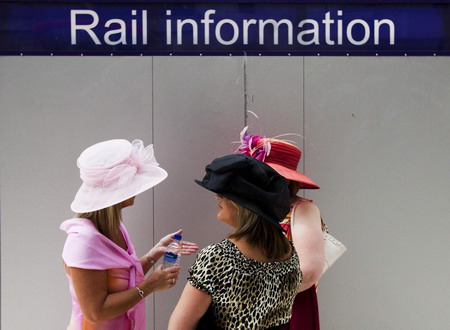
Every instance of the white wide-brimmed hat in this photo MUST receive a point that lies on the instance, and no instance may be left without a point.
(114, 171)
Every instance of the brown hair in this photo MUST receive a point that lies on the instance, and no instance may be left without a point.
(106, 220)
(294, 187)
(260, 234)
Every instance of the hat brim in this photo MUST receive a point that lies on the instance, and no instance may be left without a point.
(305, 182)
(89, 200)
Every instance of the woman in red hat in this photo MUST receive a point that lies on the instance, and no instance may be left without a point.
(303, 224)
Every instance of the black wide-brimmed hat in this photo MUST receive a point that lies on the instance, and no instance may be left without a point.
(251, 184)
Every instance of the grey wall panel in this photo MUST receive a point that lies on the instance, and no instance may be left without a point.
(198, 112)
(376, 141)
(381, 152)
(51, 109)
(275, 93)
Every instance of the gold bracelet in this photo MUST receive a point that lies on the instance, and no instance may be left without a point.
(141, 293)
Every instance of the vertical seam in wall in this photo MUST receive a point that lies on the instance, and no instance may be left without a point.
(245, 89)
(304, 118)
(0, 253)
(153, 190)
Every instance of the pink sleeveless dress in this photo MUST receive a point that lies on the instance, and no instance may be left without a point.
(86, 248)
(305, 310)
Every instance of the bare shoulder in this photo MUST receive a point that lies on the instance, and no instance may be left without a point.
(307, 218)
(306, 206)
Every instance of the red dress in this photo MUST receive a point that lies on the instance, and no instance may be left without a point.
(305, 311)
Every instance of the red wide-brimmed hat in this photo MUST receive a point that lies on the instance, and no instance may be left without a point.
(282, 156)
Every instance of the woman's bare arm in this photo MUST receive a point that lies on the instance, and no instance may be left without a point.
(98, 305)
(191, 307)
(308, 241)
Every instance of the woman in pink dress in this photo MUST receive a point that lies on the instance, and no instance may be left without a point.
(303, 224)
(106, 278)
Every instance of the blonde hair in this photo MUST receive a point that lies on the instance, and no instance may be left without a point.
(259, 233)
(107, 220)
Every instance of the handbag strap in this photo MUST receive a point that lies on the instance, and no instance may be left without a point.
(324, 226)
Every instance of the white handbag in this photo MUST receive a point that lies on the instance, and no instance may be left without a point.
(334, 249)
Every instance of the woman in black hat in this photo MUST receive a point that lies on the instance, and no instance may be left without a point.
(249, 280)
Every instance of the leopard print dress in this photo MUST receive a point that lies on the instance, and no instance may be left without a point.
(246, 294)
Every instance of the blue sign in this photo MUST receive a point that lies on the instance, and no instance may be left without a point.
(174, 28)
